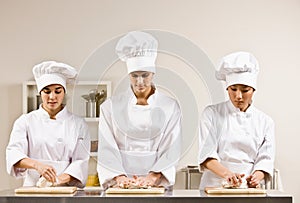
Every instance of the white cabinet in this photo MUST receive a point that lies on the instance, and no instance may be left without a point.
(74, 100)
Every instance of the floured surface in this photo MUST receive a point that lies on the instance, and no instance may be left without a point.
(153, 190)
(46, 190)
(235, 191)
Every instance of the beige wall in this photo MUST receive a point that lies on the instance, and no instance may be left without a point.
(69, 31)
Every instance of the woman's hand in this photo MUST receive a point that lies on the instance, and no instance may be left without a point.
(152, 179)
(123, 181)
(46, 171)
(234, 179)
(254, 179)
(63, 178)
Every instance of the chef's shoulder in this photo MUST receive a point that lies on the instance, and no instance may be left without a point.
(262, 116)
(215, 108)
(28, 116)
(21, 119)
(117, 99)
(165, 100)
(73, 117)
(27, 119)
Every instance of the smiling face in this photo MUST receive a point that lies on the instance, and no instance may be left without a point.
(240, 96)
(141, 81)
(52, 97)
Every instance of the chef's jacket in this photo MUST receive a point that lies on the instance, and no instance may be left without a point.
(63, 143)
(241, 141)
(136, 139)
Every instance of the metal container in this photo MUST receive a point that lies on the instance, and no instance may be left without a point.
(93, 101)
(90, 110)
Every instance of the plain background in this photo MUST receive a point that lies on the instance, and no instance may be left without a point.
(35, 30)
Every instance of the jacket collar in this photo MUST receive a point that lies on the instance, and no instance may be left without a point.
(59, 116)
(237, 111)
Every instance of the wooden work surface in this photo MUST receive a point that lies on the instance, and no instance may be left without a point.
(46, 190)
(169, 196)
(212, 190)
(135, 191)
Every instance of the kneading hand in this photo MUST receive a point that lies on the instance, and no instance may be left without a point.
(123, 181)
(47, 171)
(254, 179)
(234, 179)
(152, 179)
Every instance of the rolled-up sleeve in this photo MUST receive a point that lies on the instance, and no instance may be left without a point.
(207, 136)
(170, 149)
(78, 167)
(110, 162)
(266, 153)
(17, 147)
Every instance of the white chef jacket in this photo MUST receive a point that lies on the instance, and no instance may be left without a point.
(63, 143)
(136, 139)
(241, 141)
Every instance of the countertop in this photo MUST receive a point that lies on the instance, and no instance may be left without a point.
(93, 195)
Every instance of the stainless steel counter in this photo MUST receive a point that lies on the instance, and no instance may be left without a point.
(176, 196)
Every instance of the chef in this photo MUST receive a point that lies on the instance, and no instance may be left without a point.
(236, 140)
(140, 129)
(50, 143)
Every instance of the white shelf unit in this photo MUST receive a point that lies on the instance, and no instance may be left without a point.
(75, 102)
(74, 92)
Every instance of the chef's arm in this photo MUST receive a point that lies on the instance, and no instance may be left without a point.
(169, 150)
(216, 167)
(17, 148)
(110, 164)
(45, 170)
(266, 152)
(77, 171)
(208, 140)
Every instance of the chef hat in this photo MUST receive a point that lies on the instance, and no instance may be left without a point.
(138, 50)
(238, 68)
(52, 72)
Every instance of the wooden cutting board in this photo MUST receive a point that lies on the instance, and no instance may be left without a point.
(159, 190)
(46, 190)
(211, 190)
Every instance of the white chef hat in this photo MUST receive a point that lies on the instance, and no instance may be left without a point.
(138, 50)
(52, 72)
(238, 68)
